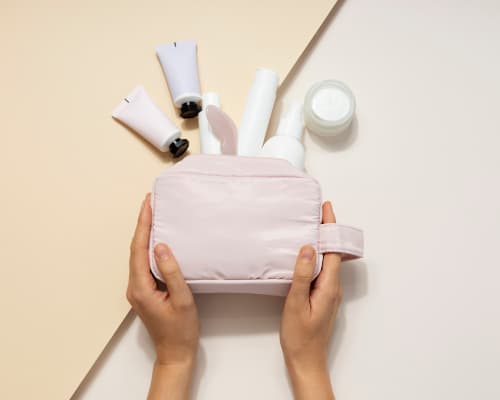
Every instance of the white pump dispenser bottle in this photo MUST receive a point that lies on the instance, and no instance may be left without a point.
(287, 142)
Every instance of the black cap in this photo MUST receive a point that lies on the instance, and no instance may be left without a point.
(178, 147)
(190, 109)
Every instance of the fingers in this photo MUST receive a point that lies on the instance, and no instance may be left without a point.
(303, 275)
(179, 292)
(328, 214)
(139, 260)
(328, 283)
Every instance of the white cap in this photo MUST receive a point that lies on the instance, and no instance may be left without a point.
(267, 77)
(210, 99)
(292, 124)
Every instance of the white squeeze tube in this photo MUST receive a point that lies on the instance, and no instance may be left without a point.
(209, 144)
(258, 109)
(180, 66)
(139, 113)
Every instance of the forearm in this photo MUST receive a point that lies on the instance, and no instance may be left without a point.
(310, 383)
(172, 382)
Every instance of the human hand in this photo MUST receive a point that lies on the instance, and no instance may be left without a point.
(170, 317)
(308, 319)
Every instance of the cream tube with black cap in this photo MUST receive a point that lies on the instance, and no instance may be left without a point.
(141, 114)
(180, 66)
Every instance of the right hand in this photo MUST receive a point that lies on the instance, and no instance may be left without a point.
(308, 319)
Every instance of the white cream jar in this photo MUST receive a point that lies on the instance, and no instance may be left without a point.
(329, 108)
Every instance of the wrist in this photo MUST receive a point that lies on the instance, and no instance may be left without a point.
(178, 357)
(171, 380)
(305, 363)
(310, 380)
(299, 371)
(185, 365)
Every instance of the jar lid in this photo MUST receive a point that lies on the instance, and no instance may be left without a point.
(329, 107)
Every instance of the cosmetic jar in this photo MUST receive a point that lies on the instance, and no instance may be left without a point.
(329, 108)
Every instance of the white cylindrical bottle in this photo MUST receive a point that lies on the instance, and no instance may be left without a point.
(287, 142)
(209, 144)
(258, 109)
(141, 114)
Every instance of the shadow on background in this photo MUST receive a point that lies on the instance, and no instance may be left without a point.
(340, 142)
(233, 315)
(354, 281)
(238, 314)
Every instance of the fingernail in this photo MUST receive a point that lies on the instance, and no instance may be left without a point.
(142, 205)
(161, 251)
(307, 253)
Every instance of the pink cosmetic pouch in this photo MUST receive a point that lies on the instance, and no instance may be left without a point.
(236, 224)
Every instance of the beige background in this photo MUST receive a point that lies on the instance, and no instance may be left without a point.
(420, 174)
(73, 179)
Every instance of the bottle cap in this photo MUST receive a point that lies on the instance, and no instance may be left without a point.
(329, 108)
(178, 147)
(190, 109)
(267, 77)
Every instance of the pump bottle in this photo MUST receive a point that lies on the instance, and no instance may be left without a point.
(287, 142)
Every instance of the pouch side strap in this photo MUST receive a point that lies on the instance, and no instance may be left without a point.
(347, 240)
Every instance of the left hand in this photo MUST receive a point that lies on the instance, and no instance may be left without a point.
(170, 317)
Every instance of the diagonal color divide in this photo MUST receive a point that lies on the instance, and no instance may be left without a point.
(73, 179)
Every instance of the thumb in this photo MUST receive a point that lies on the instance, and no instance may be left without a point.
(303, 274)
(172, 275)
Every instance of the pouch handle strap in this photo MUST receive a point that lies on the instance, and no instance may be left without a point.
(347, 240)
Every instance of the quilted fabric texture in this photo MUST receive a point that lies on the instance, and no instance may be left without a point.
(236, 224)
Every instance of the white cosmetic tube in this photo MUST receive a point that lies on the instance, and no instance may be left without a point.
(140, 114)
(180, 66)
(258, 109)
(209, 144)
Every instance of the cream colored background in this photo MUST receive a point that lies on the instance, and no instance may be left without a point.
(420, 173)
(73, 179)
